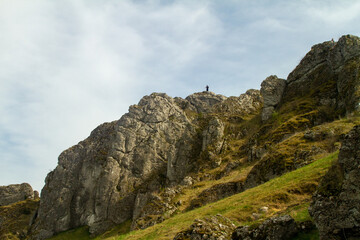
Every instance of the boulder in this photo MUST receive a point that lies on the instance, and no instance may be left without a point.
(212, 228)
(272, 89)
(15, 193)
(335, 206)
(276, 228)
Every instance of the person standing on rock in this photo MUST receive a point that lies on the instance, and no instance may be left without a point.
(207, 88)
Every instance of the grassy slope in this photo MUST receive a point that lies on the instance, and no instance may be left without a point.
(290, 193)
(15, 219)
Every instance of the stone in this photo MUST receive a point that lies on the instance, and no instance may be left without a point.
(213, 135)
(15, 193)
(248, 103)
(335, 206)
(276, 228)
(329, 74)
(272, 89)
(202, 102)
(214, 228)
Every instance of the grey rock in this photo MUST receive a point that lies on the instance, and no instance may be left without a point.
(335, 206)
(96, 181)
(15, 193)
(203, 101)
(331, 70)
(213, 135)
(247, 103)
(213, 228)
(272, 89)
(276, 228)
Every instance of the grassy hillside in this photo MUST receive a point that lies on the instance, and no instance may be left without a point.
(288, 194)
(15, 219)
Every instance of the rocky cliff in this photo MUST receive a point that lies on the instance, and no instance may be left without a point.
(108, 178)
(143, 167)
(336, 203)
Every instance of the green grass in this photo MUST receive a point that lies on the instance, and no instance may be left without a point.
(239, 207)
(288, 194)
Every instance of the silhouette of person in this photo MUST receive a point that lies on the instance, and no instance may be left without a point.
(207, 88)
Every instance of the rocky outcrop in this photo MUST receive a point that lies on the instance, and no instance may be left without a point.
(97, 182)
(336, 204)
(271, 90)
(246, 104)
(324, 86)
(276, 228)
(15, 193)
(203, 102)
(329, 74)
(213, 228)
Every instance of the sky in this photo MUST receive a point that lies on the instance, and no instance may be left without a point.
(67, 66)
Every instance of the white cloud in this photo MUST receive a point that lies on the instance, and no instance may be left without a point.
(68, 66)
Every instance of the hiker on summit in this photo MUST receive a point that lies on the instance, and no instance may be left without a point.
(207, 88)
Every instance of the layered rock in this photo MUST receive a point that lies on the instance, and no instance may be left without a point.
(336, 204)
(272, 89)
(15, 193)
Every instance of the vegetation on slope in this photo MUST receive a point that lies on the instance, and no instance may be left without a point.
(15, 219)
(288, 194)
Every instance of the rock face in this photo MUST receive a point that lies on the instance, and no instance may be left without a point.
(97, 181)
(212, 228)
(336, 204)
(329, 74)
(15, 193)
(277, 228)
(202, 102)
(271, 90)
(324, 86)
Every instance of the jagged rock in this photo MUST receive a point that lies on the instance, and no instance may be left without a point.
(212, 228)
(203, 101)
(317, 92)
(329, 74)
(15, 193)
(247, 103)
(335, 206)
(213, 135)
(272, 89)
(96, 181)
(276, 228)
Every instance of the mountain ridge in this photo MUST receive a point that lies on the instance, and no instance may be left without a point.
(169, 155)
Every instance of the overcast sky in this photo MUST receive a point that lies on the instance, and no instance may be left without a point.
(68, 66)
